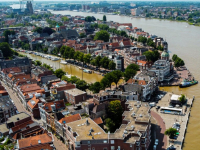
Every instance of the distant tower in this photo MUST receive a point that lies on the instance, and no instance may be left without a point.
(57, 28)
(29, 7)
(165, 53)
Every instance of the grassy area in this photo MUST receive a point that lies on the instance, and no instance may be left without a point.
(68, 104)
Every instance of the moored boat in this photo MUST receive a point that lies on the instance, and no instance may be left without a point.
(63, 62)
(187, 83)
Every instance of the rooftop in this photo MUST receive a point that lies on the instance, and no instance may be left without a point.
(83, 129)
(75, 92)
(70, 119)
(18, 117)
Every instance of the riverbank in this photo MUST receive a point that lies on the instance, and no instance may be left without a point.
(170, 119)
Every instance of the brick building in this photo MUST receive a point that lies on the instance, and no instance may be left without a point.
(75, 96)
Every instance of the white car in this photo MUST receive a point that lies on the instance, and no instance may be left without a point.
(156, 142)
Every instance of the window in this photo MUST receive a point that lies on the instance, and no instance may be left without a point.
(112, 141)
(130, 145)
(88, 142)
(112, 147)
(93, 148)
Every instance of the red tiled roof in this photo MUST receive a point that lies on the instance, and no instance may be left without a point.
(23, 125)
(116, 44)
(34, 140)
(98, 120)
(141, 82)
(35, 104)
(59, 104)
(70, 119)
(12, 69)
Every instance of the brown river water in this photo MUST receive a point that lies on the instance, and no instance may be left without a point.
(183, 39)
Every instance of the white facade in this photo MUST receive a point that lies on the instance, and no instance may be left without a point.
(161, 68)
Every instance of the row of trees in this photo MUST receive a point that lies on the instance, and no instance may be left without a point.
(44, 30)
(114, 77)
(69, 53)
(53, 23)
(90, 19)
(6, 33)
(178, 62)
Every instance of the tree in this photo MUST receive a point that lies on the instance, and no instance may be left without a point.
(111, 78)
(65, 19)
(38, 30)
(38, 63)
(152, 56)
(133, 67)
(112, 65)
(80, 57)
(95, 87)
(142, 39)
(59, 73)
(129, 73)
(182, 99)
(82, 35)
(90, 19)
(102, 35)
(97, 61)
(82, 85)
(73, 79)
(171, 132)
(48, 30)
(104, 18)
(104, 62)
(174, 57)
(115, 110)
(150, 42)
(110, 125)
(6, 33)
(117, 74)
(71, 53)
(6, 50)
(87, 58)
(76, 55)
(105, 83)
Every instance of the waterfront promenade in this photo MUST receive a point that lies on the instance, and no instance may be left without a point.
(168, 120)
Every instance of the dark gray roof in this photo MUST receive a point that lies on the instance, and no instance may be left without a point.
(45, 79)
(69, 33)
(25, 61)
(132, 88)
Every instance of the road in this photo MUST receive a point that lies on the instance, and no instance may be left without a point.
(160, 131)
(57, 143)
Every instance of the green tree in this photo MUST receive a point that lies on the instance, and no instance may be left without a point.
(76, 55)
(133, 67)
(110, 125)
(117, 75)
(102, 35)
(104, 62)
(98, 61)
(65, 78)
(182, 99)
(129, 73)
(71, 53)
(171, 132)
(65, 18)
(73, 79)
(174, 57)
(80, 57)
(48, 30)
(150, 42)
(82, 35)
(152, 56)
(6, 50)
(112, 65)
(104, 18)
(142, 39)
(105, 83)
(82, 85)
(38, 30)
(38, 63)
(115, 110)
(59, 73)
(87, 58)
(90, 19)
(6, 33)
(95, 87)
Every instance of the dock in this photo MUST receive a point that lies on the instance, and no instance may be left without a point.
(170, 119)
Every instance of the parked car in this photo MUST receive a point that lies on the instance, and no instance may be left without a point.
(157, 107)
(152, 104)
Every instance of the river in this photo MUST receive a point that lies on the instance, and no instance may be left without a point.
(183, 39)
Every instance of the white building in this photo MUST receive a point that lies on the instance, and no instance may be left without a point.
(162, 69)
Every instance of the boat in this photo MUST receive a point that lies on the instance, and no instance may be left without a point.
(80, 68)
(187, 83)
(68, 75)
(63, 62)
(54, 58)
(87, 71)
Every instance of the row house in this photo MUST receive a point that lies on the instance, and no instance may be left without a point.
(134, 133)
(149, 81)
(23, 63)
(144, 65)
(4, 72)
(27, 91)
(57, 89)
(75, 96)
(39, 72)
(7, 107)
